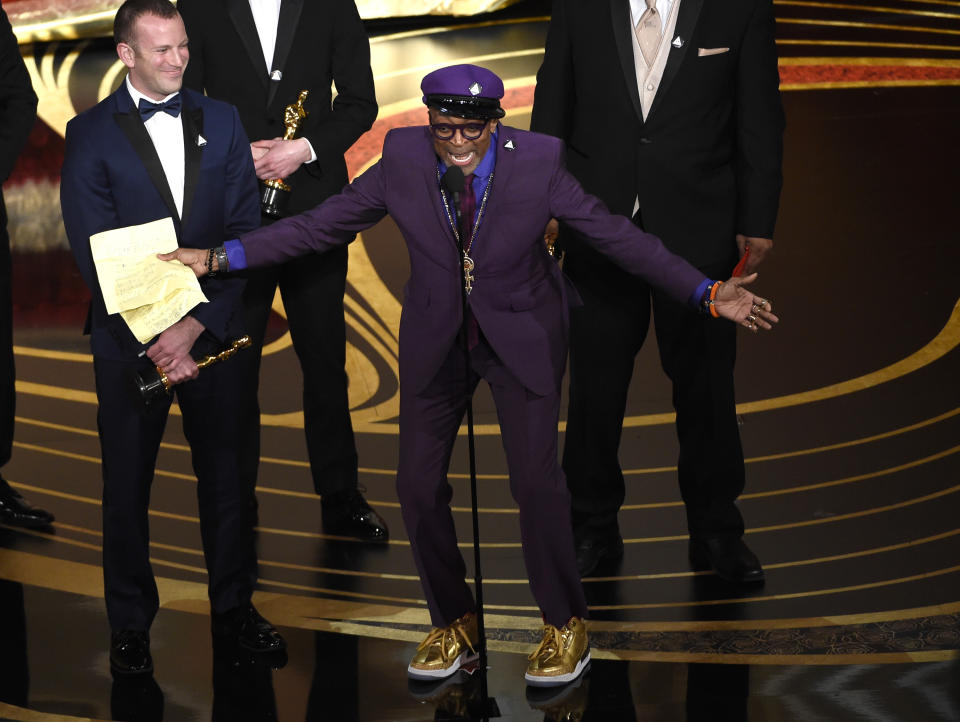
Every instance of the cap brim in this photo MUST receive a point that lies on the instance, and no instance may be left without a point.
(464, 106)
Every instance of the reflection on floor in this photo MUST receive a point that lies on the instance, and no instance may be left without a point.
(851, 415)
(54, 661)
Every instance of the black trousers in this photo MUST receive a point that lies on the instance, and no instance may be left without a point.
(312, 289)
(8, 395)
(696, 352)
(130, 440)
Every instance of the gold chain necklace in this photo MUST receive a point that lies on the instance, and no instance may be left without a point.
(468, 263)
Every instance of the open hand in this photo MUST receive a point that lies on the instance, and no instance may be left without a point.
(194, 258)
(736, 303)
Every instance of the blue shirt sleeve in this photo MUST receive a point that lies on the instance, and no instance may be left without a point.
(695, 299)
(236, 256)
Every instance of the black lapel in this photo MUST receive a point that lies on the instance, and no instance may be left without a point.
(286, 28)
(132, 126)
(689, 11)
(192, 154)
(622, 24)
(242, 17)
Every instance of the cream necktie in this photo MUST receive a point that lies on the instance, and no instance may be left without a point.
(649, 30)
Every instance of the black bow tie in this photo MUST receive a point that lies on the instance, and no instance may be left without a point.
(148, 109)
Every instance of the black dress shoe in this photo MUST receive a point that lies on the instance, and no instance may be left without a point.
(593, 549)
(130, 653)
(244, 627)
(729, 558)
(17, 511)
(348, 514)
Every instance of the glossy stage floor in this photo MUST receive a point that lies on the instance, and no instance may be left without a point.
(851, 416)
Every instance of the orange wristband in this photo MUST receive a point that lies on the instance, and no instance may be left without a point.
(713, 296)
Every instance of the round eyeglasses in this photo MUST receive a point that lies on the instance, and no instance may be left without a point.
(446, 131)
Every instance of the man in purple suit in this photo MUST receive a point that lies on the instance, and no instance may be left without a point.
(516, 329)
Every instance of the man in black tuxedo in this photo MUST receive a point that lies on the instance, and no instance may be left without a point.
(18, 109)
(671, 114)
(258, 55)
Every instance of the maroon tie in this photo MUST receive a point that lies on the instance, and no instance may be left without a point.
(468, 208)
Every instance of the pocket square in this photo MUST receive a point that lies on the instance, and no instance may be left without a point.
(704, 52)
(201, 141)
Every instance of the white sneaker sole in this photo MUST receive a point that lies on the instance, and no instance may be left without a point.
(463, 660)
(558, 680)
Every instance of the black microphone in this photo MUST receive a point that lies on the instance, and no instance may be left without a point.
(452, 182)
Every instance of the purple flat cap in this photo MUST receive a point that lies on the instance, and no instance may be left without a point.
(466, 91)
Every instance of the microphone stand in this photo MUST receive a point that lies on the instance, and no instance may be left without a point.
(487, 706)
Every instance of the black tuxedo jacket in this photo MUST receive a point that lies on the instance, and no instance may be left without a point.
(706, 162)
(18, 102)
(318, 41)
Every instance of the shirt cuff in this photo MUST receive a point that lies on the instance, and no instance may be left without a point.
(696, 299)
(236, 256)
(313, 153)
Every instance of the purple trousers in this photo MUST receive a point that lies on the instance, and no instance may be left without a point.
(429, 422)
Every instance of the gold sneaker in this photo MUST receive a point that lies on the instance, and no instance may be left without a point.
(445, 650)
(562, 656)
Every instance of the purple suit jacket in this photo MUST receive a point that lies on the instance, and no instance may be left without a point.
(519, 298)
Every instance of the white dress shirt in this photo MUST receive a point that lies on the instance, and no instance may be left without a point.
(639, 7)
(166, 132)
(266, 16)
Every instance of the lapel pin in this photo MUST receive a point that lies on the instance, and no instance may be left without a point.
(509, 145)
(201, 141)
(677, 42)
(276, 75)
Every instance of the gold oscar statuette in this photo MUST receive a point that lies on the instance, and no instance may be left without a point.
(274, 193)
(154, 384)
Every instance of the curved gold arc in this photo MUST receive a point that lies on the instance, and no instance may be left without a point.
(627, 472)
(508, 545)
(866, 44)
(867, 26)
(522, 581)
(944, 342)
(513, 510)
(304, 612)
(110, 79)
(866, 8)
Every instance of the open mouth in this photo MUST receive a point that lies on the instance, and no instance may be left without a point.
(462, 159)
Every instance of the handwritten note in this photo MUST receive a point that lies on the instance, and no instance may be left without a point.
(150, 295)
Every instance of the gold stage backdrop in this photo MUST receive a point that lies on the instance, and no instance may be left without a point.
(42, 20)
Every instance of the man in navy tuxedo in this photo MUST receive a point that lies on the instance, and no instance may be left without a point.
(147, 152)
(516, 336)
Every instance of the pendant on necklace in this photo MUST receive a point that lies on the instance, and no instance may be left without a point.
(467, 273)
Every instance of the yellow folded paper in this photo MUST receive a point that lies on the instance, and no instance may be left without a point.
(150, 295)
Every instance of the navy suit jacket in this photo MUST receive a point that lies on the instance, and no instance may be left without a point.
(112, 177)
(519, 296)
